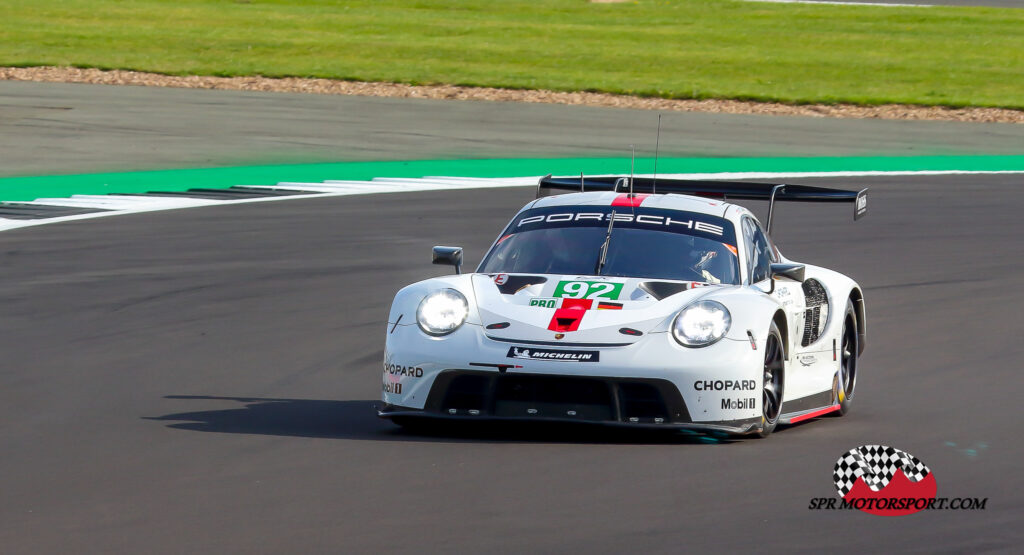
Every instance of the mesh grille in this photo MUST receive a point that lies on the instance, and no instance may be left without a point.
(816, 315)
(590, 398)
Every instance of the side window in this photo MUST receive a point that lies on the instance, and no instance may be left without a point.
(772, 250)
(748, 242)
(759, 251)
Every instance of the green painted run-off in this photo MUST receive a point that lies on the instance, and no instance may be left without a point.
(31, 188)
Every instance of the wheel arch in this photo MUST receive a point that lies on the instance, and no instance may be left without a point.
(857, 298)
(779, 318)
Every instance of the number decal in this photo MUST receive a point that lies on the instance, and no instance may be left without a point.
(603, 290)
(588, 290)
(573, 289)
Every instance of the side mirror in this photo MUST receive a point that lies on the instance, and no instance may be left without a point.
(794, 272)
(449, 255)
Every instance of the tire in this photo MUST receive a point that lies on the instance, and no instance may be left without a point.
(773, 381)
(848, 350)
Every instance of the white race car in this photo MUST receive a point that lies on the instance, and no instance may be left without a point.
(633, 303)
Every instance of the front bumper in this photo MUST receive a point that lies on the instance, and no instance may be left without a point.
(652, 382)
(473, 395)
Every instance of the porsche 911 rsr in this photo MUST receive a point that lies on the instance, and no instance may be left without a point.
(631, 304)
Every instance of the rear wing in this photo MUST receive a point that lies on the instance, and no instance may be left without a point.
(737, 190)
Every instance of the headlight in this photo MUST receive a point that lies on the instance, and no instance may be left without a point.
(701, 324)
(442, 312)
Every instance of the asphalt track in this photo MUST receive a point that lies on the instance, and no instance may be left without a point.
(48, 128)
(204, 380)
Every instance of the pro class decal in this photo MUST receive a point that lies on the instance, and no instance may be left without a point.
(556, 302)
(530, 353)
(588, 290)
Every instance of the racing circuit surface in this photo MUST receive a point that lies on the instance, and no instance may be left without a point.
(204, 380)
(48, 128)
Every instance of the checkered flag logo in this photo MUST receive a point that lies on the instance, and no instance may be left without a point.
(876, 464)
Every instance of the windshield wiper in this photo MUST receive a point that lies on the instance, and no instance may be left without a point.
(603, 255)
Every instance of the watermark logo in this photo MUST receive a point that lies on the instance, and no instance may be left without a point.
(883, 476)
(886, 481)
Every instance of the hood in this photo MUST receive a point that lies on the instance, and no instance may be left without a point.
(583, 309)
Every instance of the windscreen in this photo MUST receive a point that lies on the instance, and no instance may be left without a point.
(644, 242)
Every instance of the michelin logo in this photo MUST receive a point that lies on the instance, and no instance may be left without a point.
(555, 355)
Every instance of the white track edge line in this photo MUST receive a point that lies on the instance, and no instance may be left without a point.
(432, 183)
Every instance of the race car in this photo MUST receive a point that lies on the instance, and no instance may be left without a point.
(633, 302)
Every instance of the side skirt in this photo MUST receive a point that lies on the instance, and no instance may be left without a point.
(805, 408)
(794, 417)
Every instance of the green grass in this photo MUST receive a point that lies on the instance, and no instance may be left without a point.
(677, 49)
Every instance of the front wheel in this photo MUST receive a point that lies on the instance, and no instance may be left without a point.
(773, 381)
(848, 349)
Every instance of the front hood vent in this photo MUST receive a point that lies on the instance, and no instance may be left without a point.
(661, 289)
(512, 284)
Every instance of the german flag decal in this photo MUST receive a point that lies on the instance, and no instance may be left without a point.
(601, 305)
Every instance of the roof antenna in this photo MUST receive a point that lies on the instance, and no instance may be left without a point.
(632, 162)
(632, 197)
(657, 145)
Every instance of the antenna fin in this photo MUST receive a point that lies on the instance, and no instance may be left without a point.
(632, 197)
(632, 163)
(657, 147)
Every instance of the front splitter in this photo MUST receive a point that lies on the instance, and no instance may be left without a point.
(732, 428)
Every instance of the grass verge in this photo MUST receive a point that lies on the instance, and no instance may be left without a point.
(669, 48)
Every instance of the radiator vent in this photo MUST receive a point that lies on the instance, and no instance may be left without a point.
(816, 316)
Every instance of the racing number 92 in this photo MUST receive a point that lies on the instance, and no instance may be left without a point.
(588, 290)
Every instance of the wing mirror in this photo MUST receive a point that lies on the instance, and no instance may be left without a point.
(794, 272)
(449, 255)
